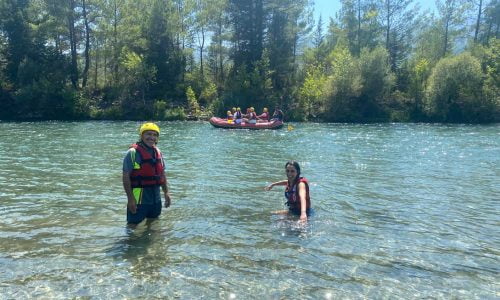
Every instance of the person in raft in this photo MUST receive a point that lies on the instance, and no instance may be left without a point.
(229, 117)
(143, 175)
(251, 116)
(264, 116)
(296, 191)
(238, 116)
(278, 114)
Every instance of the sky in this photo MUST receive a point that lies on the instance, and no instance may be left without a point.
(328, 8)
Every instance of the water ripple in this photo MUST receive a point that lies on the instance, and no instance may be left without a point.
(403, 211)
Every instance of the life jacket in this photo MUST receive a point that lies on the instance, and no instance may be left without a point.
(253, 116)
(264, 116)
(150, 172)
(292, 195)
(279, 115)
(237, 115)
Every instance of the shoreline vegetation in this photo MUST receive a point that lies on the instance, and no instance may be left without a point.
(384, 61)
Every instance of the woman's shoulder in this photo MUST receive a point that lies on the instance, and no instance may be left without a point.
(303, 180)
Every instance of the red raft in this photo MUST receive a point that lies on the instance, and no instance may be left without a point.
(222, 123)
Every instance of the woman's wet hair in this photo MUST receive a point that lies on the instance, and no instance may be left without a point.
(295, 165)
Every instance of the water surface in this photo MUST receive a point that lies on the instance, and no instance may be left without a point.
(403, 211)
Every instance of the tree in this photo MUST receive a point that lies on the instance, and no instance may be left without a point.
(318, 33)
(218, 52)
(317, 55)
(377, 81)
(420, 69)
(247, 19)
(312, 94)
(73, 43)
(87, 44)
(163, 55)
(397, 17)
(489, 57)
(454, 92)
(343, 87)
(16, 29)
(249, 71)
(451, 14)
(428, 40)
(351, 23)
(280, 45)
(492, 20)
(208, 14)
(478, 20)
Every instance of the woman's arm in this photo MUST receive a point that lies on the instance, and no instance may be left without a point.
(282, 182)
(303, 202)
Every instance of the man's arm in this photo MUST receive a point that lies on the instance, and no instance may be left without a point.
(127, 186)
(166, 193)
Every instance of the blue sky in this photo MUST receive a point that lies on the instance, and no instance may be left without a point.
(328, 8)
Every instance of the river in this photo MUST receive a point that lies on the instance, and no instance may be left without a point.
(402, 211)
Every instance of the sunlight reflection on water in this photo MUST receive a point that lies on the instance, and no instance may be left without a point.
(402, 210)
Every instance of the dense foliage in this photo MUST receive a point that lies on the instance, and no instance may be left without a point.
(377, 61)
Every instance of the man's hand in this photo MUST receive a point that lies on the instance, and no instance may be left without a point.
(167, 199)
(131, 206)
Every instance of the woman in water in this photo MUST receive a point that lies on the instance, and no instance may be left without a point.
(296, 191)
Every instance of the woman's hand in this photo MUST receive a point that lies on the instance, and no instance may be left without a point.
(269, 187)
(303, 218)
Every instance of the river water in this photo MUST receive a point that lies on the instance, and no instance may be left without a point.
(402, 211)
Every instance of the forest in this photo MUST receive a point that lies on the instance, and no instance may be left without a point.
(375, 61)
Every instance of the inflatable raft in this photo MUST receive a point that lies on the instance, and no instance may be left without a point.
(223, 123)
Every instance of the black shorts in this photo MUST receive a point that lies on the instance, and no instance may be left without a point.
(144, 211)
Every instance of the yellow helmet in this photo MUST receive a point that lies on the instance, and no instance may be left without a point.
(149, 126)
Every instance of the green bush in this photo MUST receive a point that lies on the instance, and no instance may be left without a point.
(216, 108)
(455, 91)
(175, 114)
(377, 82)
(160, 107)
(42, 100)
(311, 93)
(110, 113)
(343, 87)
(194, 107)
(209, 94)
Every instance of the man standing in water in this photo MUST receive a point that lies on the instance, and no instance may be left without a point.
(143, 174)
